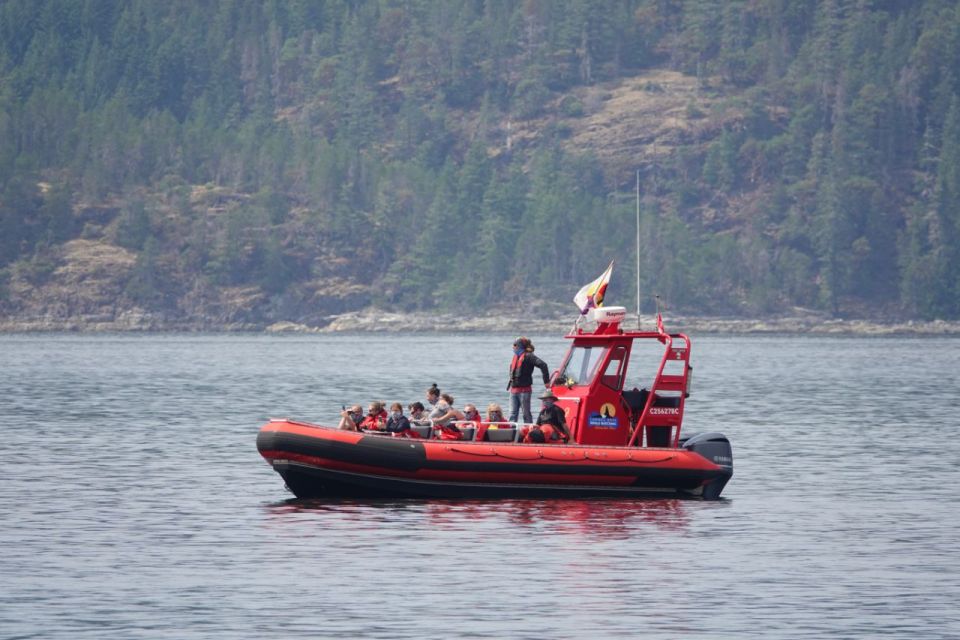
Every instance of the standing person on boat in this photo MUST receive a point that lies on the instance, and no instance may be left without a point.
(397, 423)
(520, 384)
(350, 418)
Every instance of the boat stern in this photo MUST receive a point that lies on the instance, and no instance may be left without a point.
(716, 448)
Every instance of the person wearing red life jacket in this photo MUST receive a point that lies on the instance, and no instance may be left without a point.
(520, 384)
(494, 419)
(443, 416)
(494, 413)
(470, 413)
(551, 425)
(376, 418)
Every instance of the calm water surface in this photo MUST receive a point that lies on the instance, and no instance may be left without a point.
(134, 503)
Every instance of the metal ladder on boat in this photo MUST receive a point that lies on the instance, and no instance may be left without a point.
(662, 416)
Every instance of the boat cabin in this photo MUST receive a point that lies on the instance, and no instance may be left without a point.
(599, 390)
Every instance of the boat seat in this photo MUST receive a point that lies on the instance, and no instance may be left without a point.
(501, 435)
(424, 431)
(466, 433)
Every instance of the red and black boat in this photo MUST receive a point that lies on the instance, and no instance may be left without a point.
(623, 442)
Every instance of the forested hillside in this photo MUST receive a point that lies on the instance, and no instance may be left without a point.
(236, 162)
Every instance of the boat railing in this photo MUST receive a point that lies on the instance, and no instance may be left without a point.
(471, 430)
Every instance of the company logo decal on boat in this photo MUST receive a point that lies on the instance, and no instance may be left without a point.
(606, 418)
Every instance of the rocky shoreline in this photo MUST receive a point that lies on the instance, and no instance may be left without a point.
(390, 322)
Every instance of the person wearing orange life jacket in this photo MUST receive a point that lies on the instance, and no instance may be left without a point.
(494, 420)
(551, 424)
(520, 384)
(470, 413)
(376, 418)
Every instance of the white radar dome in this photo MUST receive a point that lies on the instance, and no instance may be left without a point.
(611, 315)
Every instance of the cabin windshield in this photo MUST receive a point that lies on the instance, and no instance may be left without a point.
(581, 364)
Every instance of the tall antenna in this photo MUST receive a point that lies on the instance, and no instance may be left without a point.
(638, 249)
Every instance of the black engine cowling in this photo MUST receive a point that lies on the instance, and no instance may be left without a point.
(716, 448)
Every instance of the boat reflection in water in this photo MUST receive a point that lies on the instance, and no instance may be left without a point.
(600, 519)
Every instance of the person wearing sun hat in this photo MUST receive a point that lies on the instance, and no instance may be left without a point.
(551, 424)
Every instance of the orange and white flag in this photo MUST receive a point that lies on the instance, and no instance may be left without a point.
(591, 295)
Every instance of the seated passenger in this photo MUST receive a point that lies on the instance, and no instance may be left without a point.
(470, 413)
(551, 424)
(534, 434)
(350, 418)
(418, 415)
(376, 418)
(397, 423)
(494, 416)
(443, 415)
(494, 413)
(544, 433)
(433, 395)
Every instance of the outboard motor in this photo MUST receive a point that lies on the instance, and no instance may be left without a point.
(716, 448)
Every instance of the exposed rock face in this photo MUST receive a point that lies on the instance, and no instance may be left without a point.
(558, 323)
(641, 120)
(81, 288)
(84, 290)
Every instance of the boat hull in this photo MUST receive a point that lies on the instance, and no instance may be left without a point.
(319, 461)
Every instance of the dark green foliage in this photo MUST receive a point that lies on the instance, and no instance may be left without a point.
(31, 220)
(372, 142)
(4, 286)
(144, 286)
(19, 202)
(56, 214)
(133, 227)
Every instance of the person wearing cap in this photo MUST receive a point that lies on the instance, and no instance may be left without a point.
(520, 384)
(552, 416)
